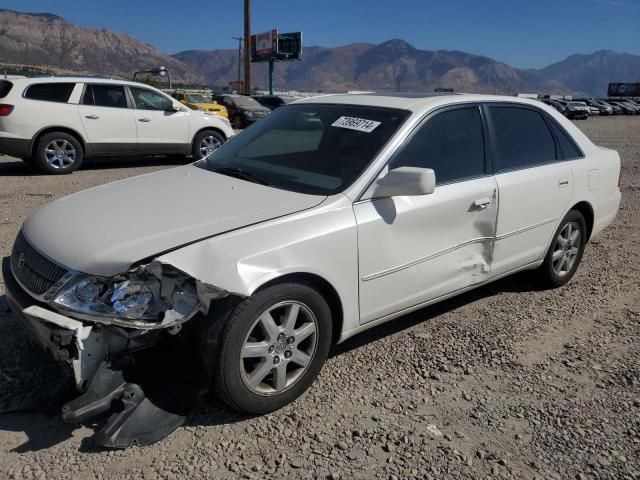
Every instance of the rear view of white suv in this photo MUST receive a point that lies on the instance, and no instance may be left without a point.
(53, 123)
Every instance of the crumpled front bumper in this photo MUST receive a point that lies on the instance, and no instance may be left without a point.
(81, 345)
(104, 372)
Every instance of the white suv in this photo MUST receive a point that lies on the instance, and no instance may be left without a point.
(53, 123)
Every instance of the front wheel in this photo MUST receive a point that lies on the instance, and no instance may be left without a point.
(566, 250)
(206, 143)
(272, 348)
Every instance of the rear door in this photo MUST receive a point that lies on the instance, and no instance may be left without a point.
(108, 121)
(160, 128)
(534, 184)
(413, 249)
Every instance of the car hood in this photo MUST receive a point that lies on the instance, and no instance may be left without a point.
(103, 230)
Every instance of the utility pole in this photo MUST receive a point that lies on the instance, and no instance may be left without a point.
(239, 58)
(247, 46)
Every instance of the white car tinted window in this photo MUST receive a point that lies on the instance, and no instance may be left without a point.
(451, 143)
(51, 92)
(105, 96)
(522, 138)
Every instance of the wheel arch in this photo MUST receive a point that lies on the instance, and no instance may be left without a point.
(208, 128)
(586, 210)
(67, 130)
(325, 289)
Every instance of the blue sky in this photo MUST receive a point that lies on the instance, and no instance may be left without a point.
(523, 33)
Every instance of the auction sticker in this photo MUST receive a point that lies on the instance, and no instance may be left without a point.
(359, 124)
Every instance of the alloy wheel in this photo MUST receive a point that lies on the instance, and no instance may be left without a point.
(279, 348)
(208, 145)
(566, 249)
(60, 153)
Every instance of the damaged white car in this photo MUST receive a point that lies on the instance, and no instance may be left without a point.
(328, 217)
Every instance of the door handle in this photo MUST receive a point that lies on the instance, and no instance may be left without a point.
(482, 203)
(144, 119)
(93, 116)
(563, 182)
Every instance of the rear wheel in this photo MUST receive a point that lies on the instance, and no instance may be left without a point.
(58, 153)
(566, 250)
(272, 348)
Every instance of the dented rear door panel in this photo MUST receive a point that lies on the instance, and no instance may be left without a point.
(414, 249)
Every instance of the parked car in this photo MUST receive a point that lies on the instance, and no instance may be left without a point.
(329, 217)
(626, 107)
(555, 104)
(617, 109)
(274, 101)
(575, 110)
(243, 110)
(602, 108)
(200, 101)
(54, 123)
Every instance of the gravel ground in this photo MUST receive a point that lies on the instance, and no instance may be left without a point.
(506, 381)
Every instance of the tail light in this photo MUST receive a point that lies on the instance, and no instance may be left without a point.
(5, 109)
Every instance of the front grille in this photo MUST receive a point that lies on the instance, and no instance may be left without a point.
(35, 272)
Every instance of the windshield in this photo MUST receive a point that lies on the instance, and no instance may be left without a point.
(198, 99)
(577, 104)
(246, 102)
(318, 149)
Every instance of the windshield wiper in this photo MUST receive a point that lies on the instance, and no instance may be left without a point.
(240, 173)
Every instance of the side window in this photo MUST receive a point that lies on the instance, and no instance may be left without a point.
(149, 100)
(522, 138)
(51, 92)
(104, 96)
(567, 145)
(227, 101)
(451, 143)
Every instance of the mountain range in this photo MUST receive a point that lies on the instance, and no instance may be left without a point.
(50, 42)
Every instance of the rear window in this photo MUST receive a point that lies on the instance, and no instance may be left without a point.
(5, 88)
(567, 145)
(105, 96)
(521, 138)
(50, 92)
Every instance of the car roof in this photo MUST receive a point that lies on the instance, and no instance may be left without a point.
(414, 102)
(77, 79)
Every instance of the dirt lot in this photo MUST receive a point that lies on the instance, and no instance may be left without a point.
(507, 381)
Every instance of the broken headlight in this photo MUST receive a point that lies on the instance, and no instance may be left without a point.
(139, 295)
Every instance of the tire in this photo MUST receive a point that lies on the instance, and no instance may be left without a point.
(237, 122)
(555, 273)
(270, 377)
(205, 143)
(57, 153)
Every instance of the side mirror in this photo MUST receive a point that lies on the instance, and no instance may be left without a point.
(405, 181)
(174, 108)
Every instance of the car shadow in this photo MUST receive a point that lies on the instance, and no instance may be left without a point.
(18, 168)
(43, 427)
(521, 282)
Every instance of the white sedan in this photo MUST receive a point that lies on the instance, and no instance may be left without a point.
(330, 216)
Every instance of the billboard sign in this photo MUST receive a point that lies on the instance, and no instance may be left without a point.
(273, 47)
(624, 90)
(264, 46)
(290, 46)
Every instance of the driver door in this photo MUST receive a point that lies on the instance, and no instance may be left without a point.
(413, 249)
(160, 129)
